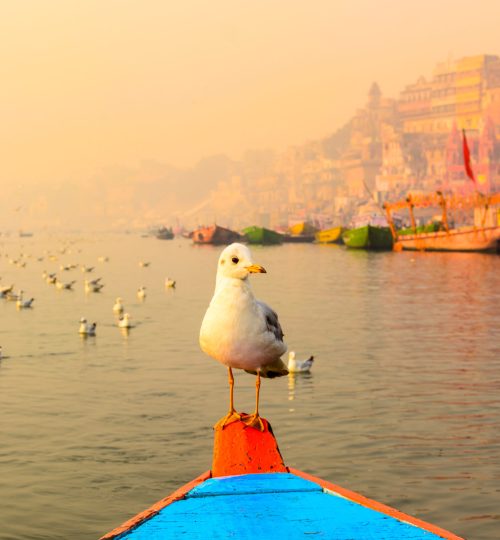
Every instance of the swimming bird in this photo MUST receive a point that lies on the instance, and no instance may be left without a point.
(299, 366)
(93, 286)
(144, 264)
(118, 307)
(124, 321)
(24, 304)
(141, 292)
(5, 290)
(51, 279)
(62, 285)
(169, 283)
(86, 329)
(86, 268)
(240, 331)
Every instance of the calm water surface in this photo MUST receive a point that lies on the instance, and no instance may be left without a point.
(402, 405)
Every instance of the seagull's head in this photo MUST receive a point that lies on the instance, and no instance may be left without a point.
(236, 262)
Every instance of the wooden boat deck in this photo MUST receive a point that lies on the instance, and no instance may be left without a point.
(272, 505)
(250, 493)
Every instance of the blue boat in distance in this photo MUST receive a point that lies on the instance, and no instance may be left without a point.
(250, 494)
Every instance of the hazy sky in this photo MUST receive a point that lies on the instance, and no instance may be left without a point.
(91, 84)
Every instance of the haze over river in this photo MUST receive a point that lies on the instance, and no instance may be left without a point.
(402, 404)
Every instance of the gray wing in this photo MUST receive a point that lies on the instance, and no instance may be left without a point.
(272, 323)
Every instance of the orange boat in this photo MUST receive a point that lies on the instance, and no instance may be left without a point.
(484, 235)
(215, 235)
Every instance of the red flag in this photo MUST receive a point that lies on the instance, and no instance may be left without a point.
(468, 168)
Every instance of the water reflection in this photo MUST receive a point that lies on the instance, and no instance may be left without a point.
(299, 384)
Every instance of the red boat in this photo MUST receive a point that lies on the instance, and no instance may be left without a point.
(215, 235)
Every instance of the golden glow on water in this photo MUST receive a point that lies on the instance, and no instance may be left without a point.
(402, 403)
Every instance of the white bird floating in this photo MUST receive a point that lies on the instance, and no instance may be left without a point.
(51, 279)
(93, 286)
(87, 268)
(4, 291)
(103, 259)
(124, 321)
(144, 264)
(299, 366)
(141, 292)
(118, 307)
(240, 331)
(62, 285)
(169, 283)
(24, 304)
(12, 296)
(86, 329)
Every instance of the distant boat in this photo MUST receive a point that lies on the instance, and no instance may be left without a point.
(261, 235)
(368, 237)
(300, 233)
(484, 235)
(164, 233)
(215, 235)
(250, 493)
(329, 236)
(369, 230)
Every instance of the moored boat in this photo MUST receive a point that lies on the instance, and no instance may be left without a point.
(261, 235)
(483, 235)
(329, 236)
(215, 235)
(368, 237)
(164, 233)
(250, 493)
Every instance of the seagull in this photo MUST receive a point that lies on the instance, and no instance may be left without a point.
(24, 304)
(169, 283)
(240, 331)
(124, 321)
(118, 307)
(141, 292)
(87, 268)
(86, 329)
(4, 291)
(51, 279)
(61, 285)
(144, 264)
(299, 366)
(93, 286)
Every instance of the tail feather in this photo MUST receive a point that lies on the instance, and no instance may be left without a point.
(271, 371)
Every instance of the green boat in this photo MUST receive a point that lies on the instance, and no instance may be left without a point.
(261, 235)
(369, 237)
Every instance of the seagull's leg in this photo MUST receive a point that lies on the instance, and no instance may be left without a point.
(255, 420)
(232, 415)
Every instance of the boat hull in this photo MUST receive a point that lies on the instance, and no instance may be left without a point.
(329, 236)
(369, 237)
(463, 239)
(215, 235)
(263, 236)
(298, 238)
(294, 504)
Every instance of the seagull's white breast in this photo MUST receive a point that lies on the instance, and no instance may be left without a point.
(234, 329)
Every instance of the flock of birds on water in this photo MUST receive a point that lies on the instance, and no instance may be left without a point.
(238, 330)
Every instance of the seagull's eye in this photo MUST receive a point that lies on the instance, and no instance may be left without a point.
(235, 260)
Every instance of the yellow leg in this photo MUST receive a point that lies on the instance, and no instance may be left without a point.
(232, 415)
(255, 420)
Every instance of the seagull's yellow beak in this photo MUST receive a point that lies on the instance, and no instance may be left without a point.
(256, 269)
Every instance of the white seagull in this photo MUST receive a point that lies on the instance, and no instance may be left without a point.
(124, 321)
(299, 366)
(86, 329)
(24, 304)
(141, 292)
(240, 331)
(118, 307)
(169, 283)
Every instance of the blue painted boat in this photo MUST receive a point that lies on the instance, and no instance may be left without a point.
(271, 501)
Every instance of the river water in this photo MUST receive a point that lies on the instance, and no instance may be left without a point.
(402, 403)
